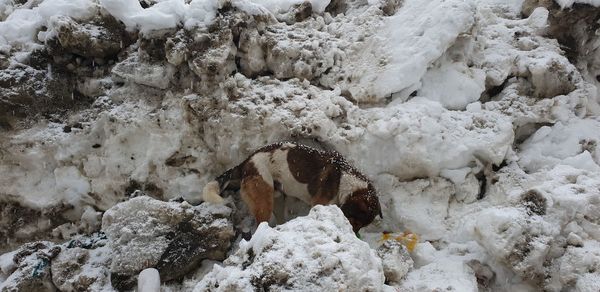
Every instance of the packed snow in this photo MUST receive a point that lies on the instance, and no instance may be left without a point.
(477, 121)
(316, 252)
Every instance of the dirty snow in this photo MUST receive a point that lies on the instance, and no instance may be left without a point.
(479, 129)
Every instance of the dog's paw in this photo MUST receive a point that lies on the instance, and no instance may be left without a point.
(210, 193)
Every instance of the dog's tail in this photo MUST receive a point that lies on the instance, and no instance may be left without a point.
(229, 180)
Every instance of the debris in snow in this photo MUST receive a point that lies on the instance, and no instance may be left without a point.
(31, 268)
(396, 260)
(83, 265)
(477, 121)
(408, 239)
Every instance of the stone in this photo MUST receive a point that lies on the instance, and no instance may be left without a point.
(396, 260)
(169, 236)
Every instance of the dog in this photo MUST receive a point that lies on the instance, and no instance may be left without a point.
(311, 175)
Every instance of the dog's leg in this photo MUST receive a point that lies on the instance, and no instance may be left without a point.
(279, 208)
(211, 191)
(258, 195)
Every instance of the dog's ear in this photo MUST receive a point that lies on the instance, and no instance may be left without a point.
(380, 213)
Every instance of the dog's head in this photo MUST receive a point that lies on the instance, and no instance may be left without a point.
(361, 207)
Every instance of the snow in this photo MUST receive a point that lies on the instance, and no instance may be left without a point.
(569, 3)
(480, 135)
(320, 252)
(163, 15)
(428, 138)
(398, 56)
(149, 281)
(572, 143)
(454, 85)
(280, 7)
(22, 25)
(445, 275)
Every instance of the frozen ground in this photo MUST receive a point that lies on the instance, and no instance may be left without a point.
(476, 119)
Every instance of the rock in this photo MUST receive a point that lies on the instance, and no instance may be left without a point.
(83, 265)
(297, 13)
(104, 37)
(484, 274)
(172, 237)
(534, 202)
(32, 272)
(396, 260)
(21, 224)
(29, 90)
(318, 252)
(390, 7)
(155, 74)
(213, 56)
(310, 54)
(176, 50)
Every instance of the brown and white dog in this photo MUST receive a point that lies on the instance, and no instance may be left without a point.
(311, 175)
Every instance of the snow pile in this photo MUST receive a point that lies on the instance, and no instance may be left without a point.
(423, 134)
(572, 143)
(394, 60)
(477, 123)
(22, 25)
(316, 252)
(281, 7)
(162, 15)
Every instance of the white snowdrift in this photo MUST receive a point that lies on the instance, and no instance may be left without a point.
(396, 58)
(318, 252)
(573, 143)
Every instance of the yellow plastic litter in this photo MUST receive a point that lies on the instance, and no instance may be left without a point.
(407, 239)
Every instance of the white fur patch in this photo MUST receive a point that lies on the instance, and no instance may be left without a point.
(281, 172)
(210, 193)
(288, 145)
(349, 183)
(262, 162)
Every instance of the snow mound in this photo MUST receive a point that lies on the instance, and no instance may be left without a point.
(21, 27)
(425, 137)
(572, 143)
(162, 15)
(393, 60)
(313, 253)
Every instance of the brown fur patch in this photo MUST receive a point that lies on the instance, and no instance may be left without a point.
(305, 164)
(361, 208)
(326, 186)
(257, 193)
(320, 170)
